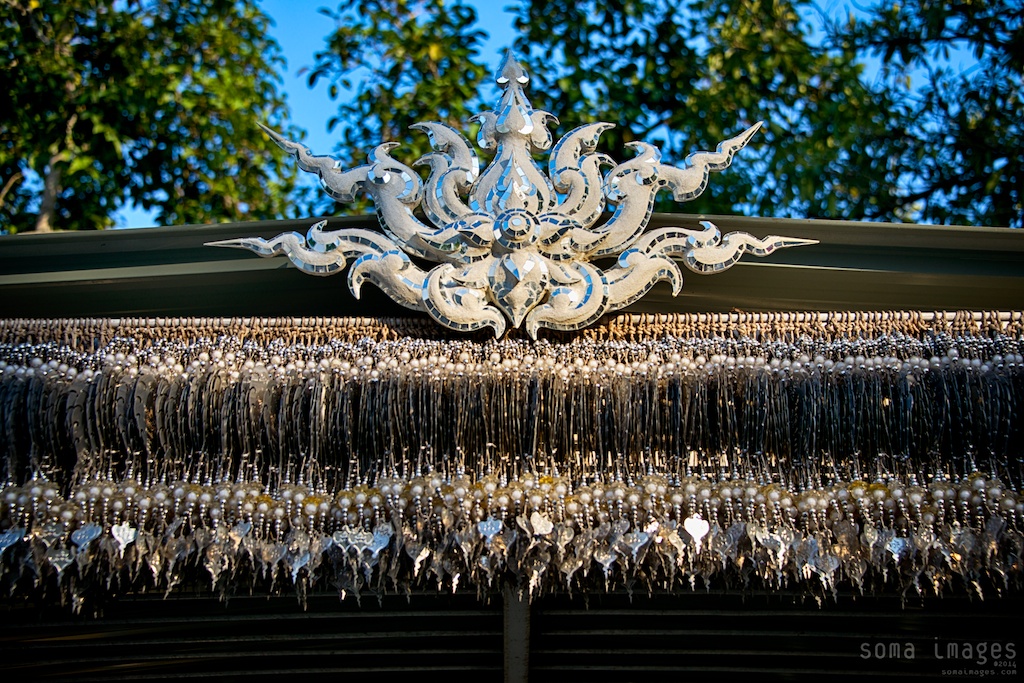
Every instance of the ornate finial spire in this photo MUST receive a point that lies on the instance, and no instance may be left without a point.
(513, 180)
(514, 114)
(510, 71)
(514, 244)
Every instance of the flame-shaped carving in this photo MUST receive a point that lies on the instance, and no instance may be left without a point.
(513, 244)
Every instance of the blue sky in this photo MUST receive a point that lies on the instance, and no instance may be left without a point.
(301, 31)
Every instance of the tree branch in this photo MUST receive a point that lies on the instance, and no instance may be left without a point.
(8, 185)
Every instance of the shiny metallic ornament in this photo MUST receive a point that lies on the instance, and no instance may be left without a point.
(512, 243)
(175, 455)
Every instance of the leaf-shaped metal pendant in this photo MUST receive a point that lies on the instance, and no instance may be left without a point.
(360, 540)
(10, 537)
(381, 538)
(489, 527)
(635, 540)
(86, 535)
(697, 528)
(49, 534)
(340, 539)
(124, 534)
(59, 558)
(899, 547)
(542, 526)
(298, 563)
(606, 557)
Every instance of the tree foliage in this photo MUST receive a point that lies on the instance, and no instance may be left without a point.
(843, 138)
(688, 74)
(155, 102)
(395, 63)
(957, 71)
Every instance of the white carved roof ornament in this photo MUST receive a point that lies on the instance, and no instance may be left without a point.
(513, 244)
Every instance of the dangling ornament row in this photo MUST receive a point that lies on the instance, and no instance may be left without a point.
(393, 465)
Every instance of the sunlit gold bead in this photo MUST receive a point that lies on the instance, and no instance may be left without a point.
(878, 491)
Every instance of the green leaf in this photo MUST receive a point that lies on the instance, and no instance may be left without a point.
(79, 164)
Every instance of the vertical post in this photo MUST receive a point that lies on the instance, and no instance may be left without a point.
(517, 636)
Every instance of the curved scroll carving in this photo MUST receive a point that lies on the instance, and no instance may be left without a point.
(512, 244)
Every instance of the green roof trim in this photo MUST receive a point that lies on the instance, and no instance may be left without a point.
(169, 271)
